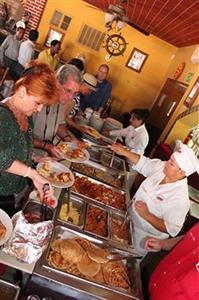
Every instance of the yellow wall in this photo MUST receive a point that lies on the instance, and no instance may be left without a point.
(182, 127)
(130, 89)
(182, 55)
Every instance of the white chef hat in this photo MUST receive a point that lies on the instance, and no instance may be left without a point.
(186, 158)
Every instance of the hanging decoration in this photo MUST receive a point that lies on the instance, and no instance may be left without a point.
(115, 45)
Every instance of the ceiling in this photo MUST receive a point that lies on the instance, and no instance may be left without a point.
(174, 21)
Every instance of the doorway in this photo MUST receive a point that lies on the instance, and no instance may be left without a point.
(162, 110)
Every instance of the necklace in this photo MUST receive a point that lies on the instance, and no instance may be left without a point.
(19, 116)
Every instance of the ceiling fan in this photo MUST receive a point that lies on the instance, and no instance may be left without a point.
(116, 14)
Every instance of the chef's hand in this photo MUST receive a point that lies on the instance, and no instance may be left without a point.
(153, 244)
(142, 209)
(39, 182)
(119, 149)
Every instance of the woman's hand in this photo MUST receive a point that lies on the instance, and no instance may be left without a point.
(39, 182)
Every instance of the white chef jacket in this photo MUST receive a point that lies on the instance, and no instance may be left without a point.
(169, 202)
(136, 139)
(26, 52)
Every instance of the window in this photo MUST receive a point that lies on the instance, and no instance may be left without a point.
(91, 37)
(65, 23)
(59, 20)
(53, 35)
(56, 18)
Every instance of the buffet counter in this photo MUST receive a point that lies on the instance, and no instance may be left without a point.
(98, 200)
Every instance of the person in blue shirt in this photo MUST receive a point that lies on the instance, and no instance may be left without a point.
(98, 99)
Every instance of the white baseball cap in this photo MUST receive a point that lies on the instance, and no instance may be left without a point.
(21, 24)
(186, 159)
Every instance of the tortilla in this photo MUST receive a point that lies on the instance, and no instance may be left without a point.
(98, 255)
(71, 250)
(88, 267)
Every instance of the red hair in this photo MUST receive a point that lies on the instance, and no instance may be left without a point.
(39, 81)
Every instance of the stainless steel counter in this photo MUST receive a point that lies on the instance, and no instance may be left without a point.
(71, 285)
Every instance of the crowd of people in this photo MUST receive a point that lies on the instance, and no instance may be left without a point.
(42, 111)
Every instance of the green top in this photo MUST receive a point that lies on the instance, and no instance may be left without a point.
(14, 145)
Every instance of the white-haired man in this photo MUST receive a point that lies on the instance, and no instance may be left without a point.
(161, 203)
(47, 122)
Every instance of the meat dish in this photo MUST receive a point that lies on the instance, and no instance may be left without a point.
(99, 192)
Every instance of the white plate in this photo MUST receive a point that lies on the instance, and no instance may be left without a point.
(34, 196)
(57, 168)
(7, 222)
(73, 146)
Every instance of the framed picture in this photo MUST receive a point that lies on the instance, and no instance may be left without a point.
(136, 60)
(192, 95)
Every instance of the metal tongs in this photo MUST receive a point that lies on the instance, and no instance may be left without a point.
(118, 254)
(126, 214)
(44, 206)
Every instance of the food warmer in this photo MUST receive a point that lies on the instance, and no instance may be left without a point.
(79, 216)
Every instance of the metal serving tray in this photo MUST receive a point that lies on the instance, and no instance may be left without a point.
(114, 230)
(92, 180)
(104, 158)
(91, 287)
(9, 291)
(95, 218)
(117, 163)
(78, 204)
(99, 172)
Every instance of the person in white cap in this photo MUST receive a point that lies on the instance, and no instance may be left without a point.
(9, 50)
(161, 203)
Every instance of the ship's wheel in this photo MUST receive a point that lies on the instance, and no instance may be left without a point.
(115, 44)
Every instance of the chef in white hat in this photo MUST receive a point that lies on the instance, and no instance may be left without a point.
(161, 203)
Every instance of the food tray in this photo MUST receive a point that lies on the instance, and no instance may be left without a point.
(9, 291)
(117, 164)
(63, 275)
(78, 204)
(119, 233)
(88, 189)
(83, 220)
(104, 158)
(104, 174)
(97, 221)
